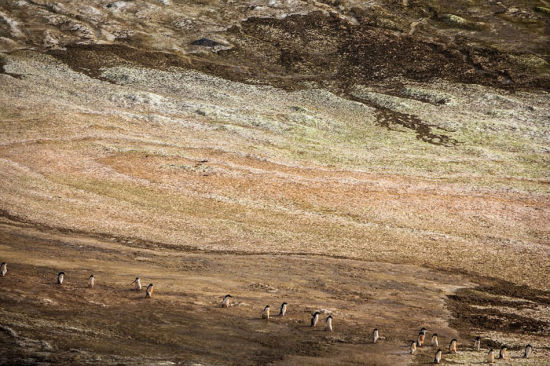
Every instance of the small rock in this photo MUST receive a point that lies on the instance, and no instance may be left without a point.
(206, 42)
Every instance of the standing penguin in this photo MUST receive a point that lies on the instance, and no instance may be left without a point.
(528, 351)
(435, 341)
(226, 301)
(149, 291)
(60, 278)
(265, 313)
(3, 269)
(437, 358)
(315, 318)
(91, 281)
(491, 356)
(477, 343)
(375, 335)
(452, 346)
(503, 350)
(137, 282)
(283, 309)
(329, 323)
(421, 337)
(413, 347)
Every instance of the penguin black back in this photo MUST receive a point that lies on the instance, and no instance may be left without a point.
(226, 301)
(452, 346)
(477, 343)
(282, 312)
(503, 351)
(60, 278)
(315, 318)
(528, 351)
(437, 357)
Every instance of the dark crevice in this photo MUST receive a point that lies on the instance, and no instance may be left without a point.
(481, 309)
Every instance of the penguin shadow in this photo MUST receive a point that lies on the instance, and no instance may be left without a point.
(134, 294)
(137, 295)
(132, 291)
(405, 350)
(317, 329)
(142, 297)
(260, 320)
(273, 318)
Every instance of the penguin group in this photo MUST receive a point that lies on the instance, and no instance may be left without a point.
(266, 315)
(91, 281)
(453, 347)
(413, 345)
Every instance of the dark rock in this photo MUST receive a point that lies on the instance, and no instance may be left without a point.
(205, 42)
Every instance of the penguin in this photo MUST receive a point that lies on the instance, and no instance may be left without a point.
(375, 335)
(413, 347)
(435, 341)
(421, 337)
(491, 356)
(149, 291)
(528, 351)
(437, 358)
(91, 281)
(265, 313)
(503, 350)
(315, 318)
(60, 278)
(329, 323)
(452, 346)
(3, 269)
(477, 343)
(137, 282)
(283, 309)
(226, 301)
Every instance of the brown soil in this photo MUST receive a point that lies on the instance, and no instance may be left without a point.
(184, 322)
